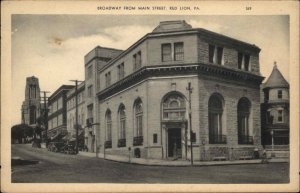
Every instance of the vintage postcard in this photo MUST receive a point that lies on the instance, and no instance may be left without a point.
(155, 96)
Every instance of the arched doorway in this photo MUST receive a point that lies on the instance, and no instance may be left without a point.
(174, 125)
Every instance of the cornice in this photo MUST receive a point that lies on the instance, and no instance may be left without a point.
(201, 69)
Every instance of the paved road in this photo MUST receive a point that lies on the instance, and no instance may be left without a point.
(58, 167)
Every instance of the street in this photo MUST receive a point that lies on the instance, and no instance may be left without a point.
(62, 168)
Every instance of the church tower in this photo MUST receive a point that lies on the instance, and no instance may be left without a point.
(31, 105)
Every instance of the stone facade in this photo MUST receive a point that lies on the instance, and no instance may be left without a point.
(142, 101)
(94, 60)
(31, 107)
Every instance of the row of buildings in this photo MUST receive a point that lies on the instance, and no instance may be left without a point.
(175, 87)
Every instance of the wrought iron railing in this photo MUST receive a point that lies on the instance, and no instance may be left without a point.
(122, 143)
(245, 139)
(217, 139)
(107, 144)
(138, 140)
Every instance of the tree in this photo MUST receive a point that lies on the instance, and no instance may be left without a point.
(20, 132)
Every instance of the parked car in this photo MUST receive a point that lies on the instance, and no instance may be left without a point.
(55, 146)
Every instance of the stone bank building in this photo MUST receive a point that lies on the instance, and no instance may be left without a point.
(141, 101)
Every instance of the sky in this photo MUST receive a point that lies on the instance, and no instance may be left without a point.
(52, 47)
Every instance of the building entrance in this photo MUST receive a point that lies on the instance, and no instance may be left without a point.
(174, 143)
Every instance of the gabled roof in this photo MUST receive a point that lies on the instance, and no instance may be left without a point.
(276, 79)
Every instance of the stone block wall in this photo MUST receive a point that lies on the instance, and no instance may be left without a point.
(230, 54)
(231, 94)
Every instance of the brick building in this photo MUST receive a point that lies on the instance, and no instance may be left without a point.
(71, 109)
(57, 114)
(142, 101)
(31, 107)
(275, 110)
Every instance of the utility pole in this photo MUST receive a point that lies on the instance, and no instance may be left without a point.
(46, 116)
(189, 88)
(76, 112)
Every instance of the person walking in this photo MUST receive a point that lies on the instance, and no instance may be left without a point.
(264, 157)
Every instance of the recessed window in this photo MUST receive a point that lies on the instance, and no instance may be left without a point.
(215, 111)
(244, 61)
(90, 91)
(174, 107)
(89, 72)
(279, 94)
(154, 138)
(178, 51)
(280, 115)
(122, 127)
(193, 137)
(107, 79)
(215, 54)
(137, 60)
(243, 113)
(121, 72)
(108, 143)
(166, 52)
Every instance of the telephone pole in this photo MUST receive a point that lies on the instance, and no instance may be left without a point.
(76, 112)
(45, 115)
(189, 88)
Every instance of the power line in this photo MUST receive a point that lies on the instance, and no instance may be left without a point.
(46, 116)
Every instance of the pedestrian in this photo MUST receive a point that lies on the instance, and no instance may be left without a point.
(256, 154)
(264, 157)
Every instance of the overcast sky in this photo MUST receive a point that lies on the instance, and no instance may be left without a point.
(52, 47)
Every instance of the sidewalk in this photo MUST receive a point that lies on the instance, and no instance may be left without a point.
(157, 162)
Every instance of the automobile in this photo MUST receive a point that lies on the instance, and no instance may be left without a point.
(69, 148)
(55, 146)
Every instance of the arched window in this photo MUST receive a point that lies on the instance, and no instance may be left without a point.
(122, 126)
(108, 121)
(243, 122)
(215, 112)
(138, 122)
(174, 107)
